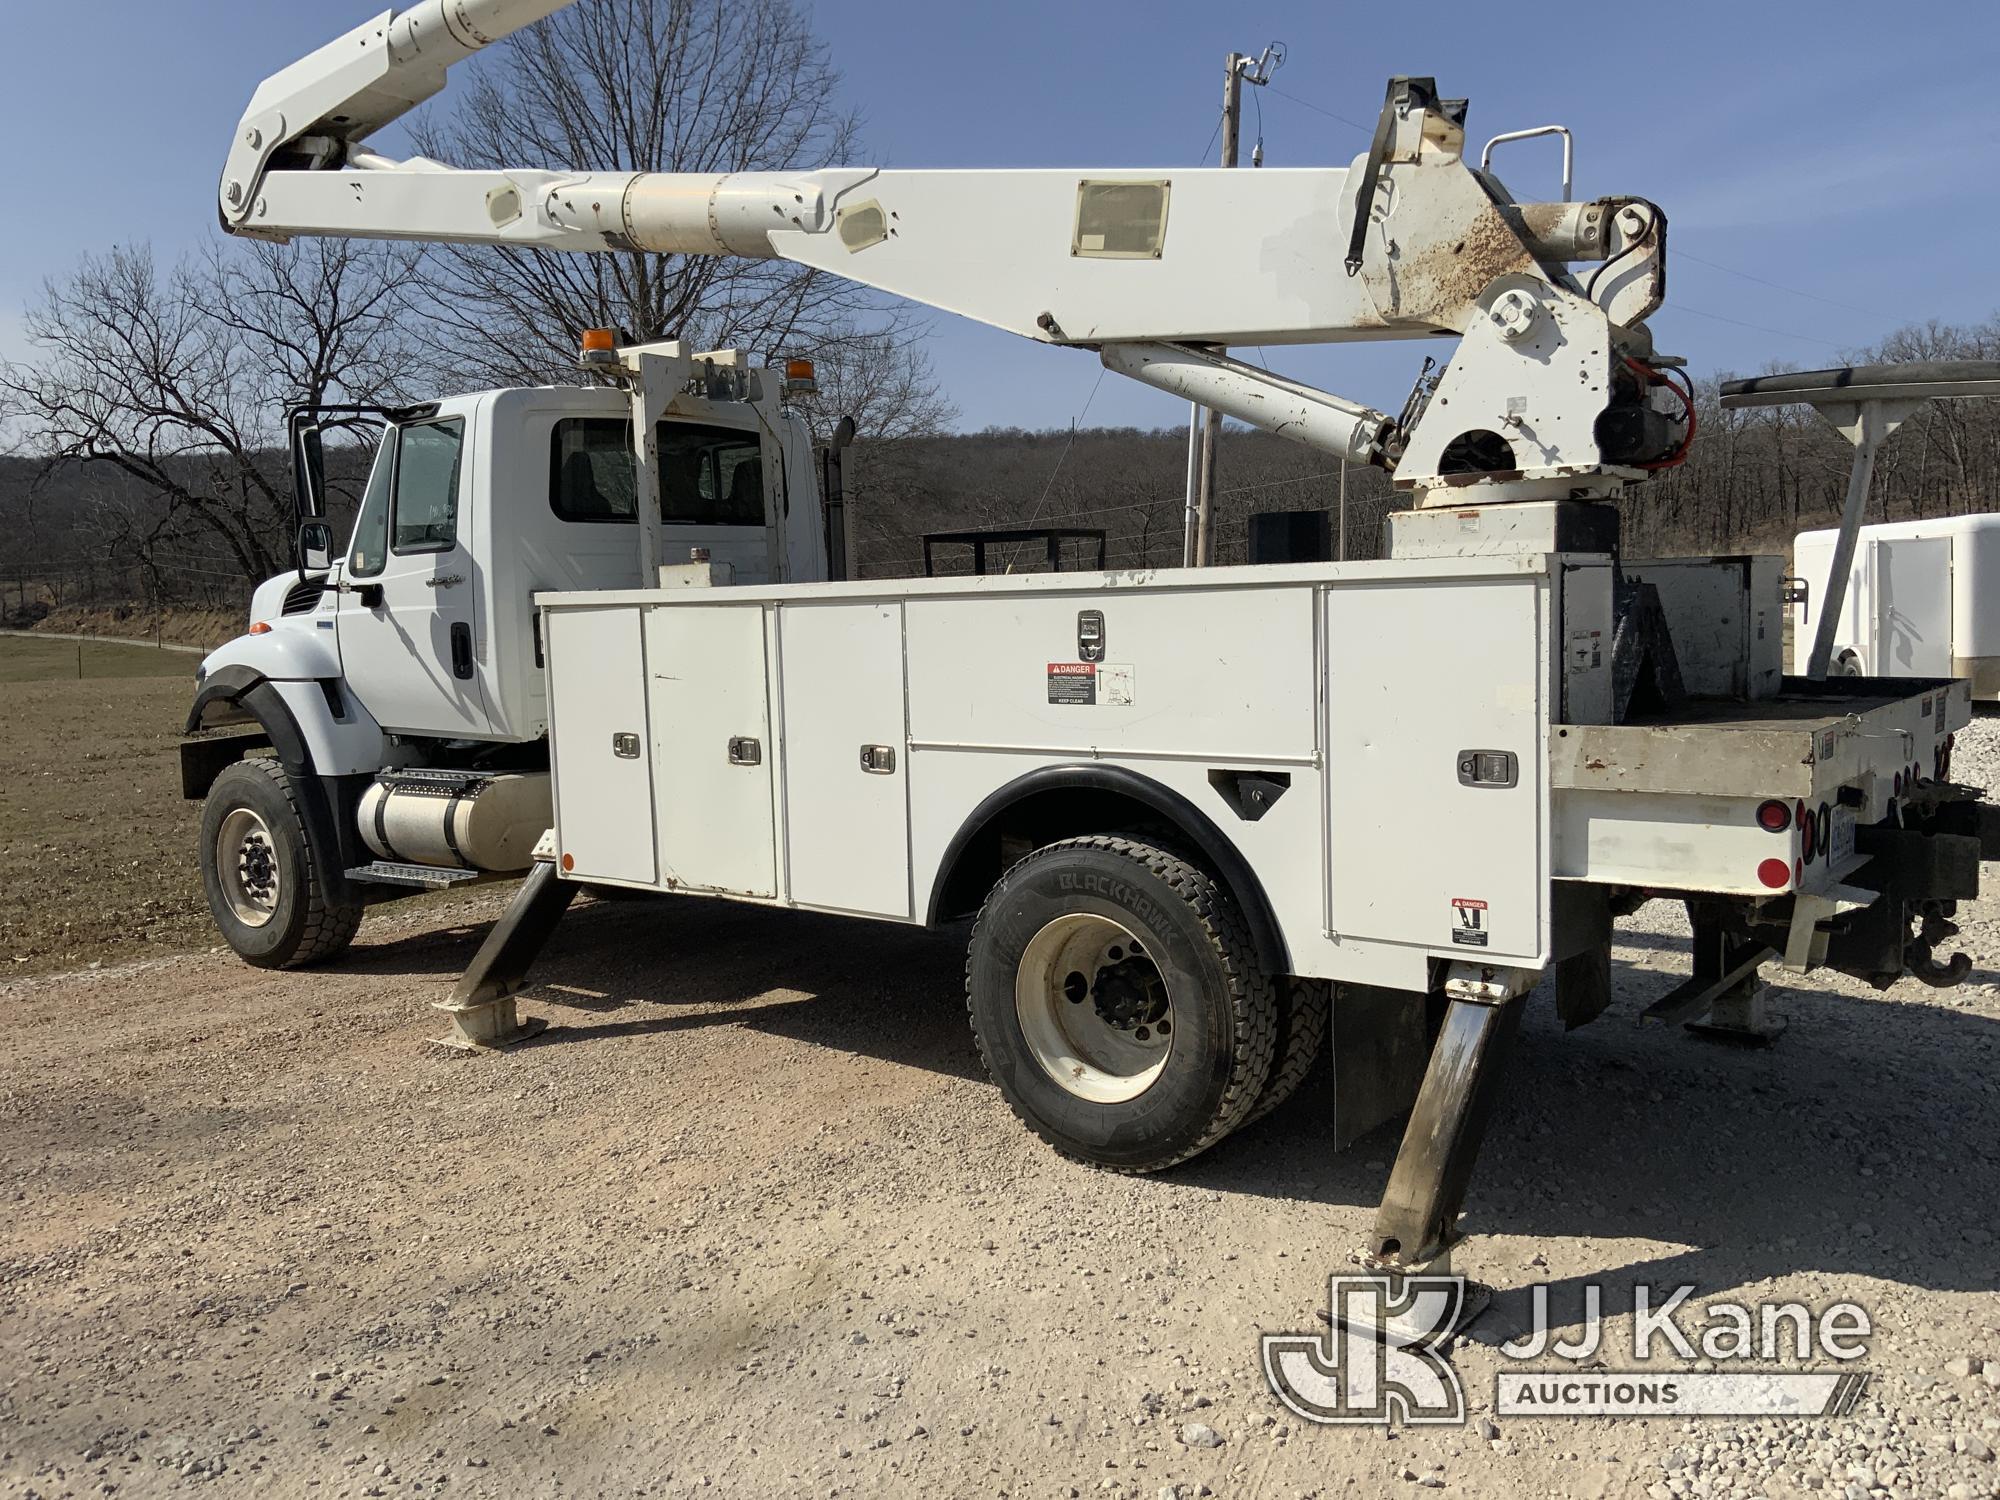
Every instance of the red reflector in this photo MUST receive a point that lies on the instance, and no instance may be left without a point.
(569, 862)
(1775, 873)
(1773, 817)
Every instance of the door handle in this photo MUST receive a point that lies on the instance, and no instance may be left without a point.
(461, 651)
(878, 760)
(745, 751)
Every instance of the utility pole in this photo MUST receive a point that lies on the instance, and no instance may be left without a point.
(1238, 70)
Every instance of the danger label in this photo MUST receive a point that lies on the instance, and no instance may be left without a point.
(1468, 922)
(1072, 682)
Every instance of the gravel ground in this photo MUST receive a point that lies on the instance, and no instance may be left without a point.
(748, 1221)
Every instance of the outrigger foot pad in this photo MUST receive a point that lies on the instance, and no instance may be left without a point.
(481, 1007)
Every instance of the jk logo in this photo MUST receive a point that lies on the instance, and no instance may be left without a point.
(1379, 1358)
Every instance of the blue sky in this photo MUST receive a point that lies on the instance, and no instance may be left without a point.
(1839, 150)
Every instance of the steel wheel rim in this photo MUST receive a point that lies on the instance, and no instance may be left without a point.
(246, 861)
(1109, 1044)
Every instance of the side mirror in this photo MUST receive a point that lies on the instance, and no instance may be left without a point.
(315, 547)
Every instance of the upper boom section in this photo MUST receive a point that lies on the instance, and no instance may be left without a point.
(1064, 256)
(1549, 395)
(332, 99)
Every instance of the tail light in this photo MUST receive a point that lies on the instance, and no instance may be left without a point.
(1773, 816)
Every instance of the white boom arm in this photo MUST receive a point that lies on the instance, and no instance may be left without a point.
(1148, 267)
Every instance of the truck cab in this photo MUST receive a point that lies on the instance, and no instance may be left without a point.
(401, 677)
(476, 503)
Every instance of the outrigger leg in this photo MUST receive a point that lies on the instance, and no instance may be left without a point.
(481, 1006)
(1416, 1225)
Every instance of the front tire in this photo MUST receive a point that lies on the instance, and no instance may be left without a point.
(1117, 1001)
(265, 885)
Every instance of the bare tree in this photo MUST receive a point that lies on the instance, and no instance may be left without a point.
(656, 86)
(178, 382)
(880, 378)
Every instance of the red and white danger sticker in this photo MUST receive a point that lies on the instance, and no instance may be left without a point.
(1468, 922)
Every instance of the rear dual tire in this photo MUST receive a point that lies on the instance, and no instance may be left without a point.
(1118, 1003)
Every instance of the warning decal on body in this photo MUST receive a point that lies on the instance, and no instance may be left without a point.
(1072, 682)
(1103, 683)
(1468, 922)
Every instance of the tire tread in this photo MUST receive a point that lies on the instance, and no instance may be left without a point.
(1252, 996)
(328, 926)
(1305, 1011)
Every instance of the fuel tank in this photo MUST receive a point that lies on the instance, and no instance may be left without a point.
(457, 819)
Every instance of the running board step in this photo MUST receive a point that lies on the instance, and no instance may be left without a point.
(423, 877)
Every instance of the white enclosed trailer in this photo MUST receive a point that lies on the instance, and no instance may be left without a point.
(1203, 819)
(1922, 600)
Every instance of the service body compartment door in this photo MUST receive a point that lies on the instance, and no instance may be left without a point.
(1912, 588)
(1437, 726)
(598, 743)
(711, 748)
(846, 769)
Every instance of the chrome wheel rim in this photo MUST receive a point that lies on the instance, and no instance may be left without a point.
(246, 859)
(1094, 1009)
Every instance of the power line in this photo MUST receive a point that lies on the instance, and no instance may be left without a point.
(1320, 110)
(1778, 286)
(1758, 327)
(1203, 160)
(1068, 445)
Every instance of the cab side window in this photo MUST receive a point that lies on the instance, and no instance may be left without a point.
(590, 470)
(709, 476)
(368, 552)
(426, 487)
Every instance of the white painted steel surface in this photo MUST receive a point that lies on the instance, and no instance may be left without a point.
(604, 800)
(847, 829)
(396, 653)
(707, 686)
(1414, 676)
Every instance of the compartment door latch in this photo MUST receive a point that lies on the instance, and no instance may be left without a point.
(1493, 768)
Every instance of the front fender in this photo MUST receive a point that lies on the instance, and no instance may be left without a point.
(294, 649)
(314, 724)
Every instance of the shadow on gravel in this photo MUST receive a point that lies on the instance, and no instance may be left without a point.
(1856, 1144)
(627, 969)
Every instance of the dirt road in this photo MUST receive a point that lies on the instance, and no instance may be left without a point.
(747, 1222)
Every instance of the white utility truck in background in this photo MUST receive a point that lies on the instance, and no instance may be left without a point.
(1205, 818)
(1922, 600)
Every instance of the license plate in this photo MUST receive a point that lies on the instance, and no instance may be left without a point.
(1840, 840)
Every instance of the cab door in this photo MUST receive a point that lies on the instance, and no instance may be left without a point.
(405, 621)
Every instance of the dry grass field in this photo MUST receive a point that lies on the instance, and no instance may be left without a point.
(96, 845)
